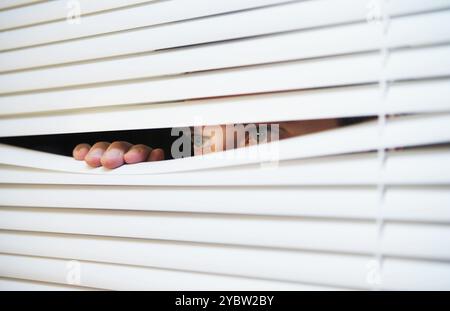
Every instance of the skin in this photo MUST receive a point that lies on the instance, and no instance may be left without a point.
(118, 153)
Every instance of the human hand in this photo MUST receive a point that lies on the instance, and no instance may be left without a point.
(116, 154)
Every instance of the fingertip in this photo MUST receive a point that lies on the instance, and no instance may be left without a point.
(80, 151)
(93, 157)
(156, 155)
(92, 161)
(114, 155)
(112, 159)
(136, 154)
(111, 163)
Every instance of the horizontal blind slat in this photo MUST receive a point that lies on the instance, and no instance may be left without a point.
(428, 63)
(10, 4)
(404, 274)
(417, 204)
(152, 14)
(130, 18)
(267, 78)
(49, 11)
(318, 268)
(401, 98)
(352, 38)
(8, 284)
(316, 202)
(354, 237)
(425, 241)
(296, 105)
(256, 22)
(326, 202)
(122, 277)
(413, 6)
(320, 235)
(305, 170)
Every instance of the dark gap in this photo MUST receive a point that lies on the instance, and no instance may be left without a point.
(63, 144)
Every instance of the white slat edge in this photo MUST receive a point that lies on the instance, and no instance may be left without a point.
(328, 235)
(319, 235)
(49, 11)
(308, 267)
(401, 98)
(424, 241)
(121, 277)
(11, 4)
(291, 46)
(316, 73)
(402, 204)
(316, 202)
(417, 204)
(152, 14)
(8, 284)
(404, 274)
(225, 27)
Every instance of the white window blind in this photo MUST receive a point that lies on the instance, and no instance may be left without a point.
(52, 11)
(365, 206)
(9, 4)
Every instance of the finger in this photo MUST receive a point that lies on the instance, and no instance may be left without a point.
(113, 157)
(80, 151)
(137, 153)
(156, 155)
(95, 154)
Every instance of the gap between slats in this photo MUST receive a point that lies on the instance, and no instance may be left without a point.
(351, 139)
